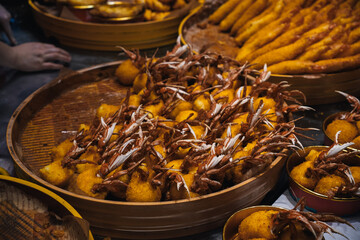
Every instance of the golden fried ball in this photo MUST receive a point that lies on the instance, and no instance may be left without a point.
(328, 184)
(355, 171)
(268, 103)
(140, 82)
(312, 155)
(356, 142)
(348, 130)
(60, 150)
(185, 115)
(141, 191)
(90, 155)
(127, 72)
(154, 109)
(55, 174)
(257, 225)
(85, 182)
(106, 110)
(181, 106)
(202, 103)
(358, 125)
(298, 173)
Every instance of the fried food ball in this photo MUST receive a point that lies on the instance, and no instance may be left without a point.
(106, 110)
(202, 102)
(235, 128)
(55, 174)
(198, 130)
(181, 192)
(140, 190)
(312, 155)
(348, 130)
(268, 103)
(181, 106)
(355, 172)
(257, 225)
(84, 182)
(154, 109)
(329, 184)
(140, 82)
(187, 114)
(298, 173)
(127, 72)
(358, 125)
(90, 155)
(60, 150)
(236, 172)
(225, 96)
(356, 142)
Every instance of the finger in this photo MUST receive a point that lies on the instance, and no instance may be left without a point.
(8, 32)
(60, 51)
(56, 56)
(51, 65)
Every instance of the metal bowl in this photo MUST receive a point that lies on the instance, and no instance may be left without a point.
(36, 126)
(317, 202)
(38, 197)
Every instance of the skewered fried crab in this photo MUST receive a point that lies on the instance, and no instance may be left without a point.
(287, 224)
(348, 123)
(330, 171)
(189, 126)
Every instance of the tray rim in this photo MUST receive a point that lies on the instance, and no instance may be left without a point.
(34, 7)
(34, 177)
(46, 191)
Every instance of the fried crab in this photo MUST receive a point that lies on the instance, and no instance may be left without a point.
(189, 125)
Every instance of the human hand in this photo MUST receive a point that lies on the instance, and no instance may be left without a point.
(36, 56)
(5, 24)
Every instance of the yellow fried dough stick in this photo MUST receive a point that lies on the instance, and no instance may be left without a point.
(333, 36)
(326, 13)
(261, 40)
(301, 17)
(291, 51)
(253, 10)
(313, 54)
(254, 26)
(354, 35)
(223, 11)
(334, 50)
(230, 19)
(292, 67)
(337, 64)
(283, 40)
(351, 50)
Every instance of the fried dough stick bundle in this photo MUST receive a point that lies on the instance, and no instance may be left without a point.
(291, 51)
(284, 39)
(265, 35)
(223, 11)
(325, 66)
(255, 25)
(230, 19)
(303, 21)
(351, 50)
(253, 10)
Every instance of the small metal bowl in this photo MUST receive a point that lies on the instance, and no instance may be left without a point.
(230, 230)
(317, 202)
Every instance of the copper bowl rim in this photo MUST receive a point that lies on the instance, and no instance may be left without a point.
(46, 191)
(336, 199)
(30, 174)
(259, 207)
(34, 7)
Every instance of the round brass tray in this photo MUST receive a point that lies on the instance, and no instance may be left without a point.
(318, 88)
(37, 125)
(107, 36)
